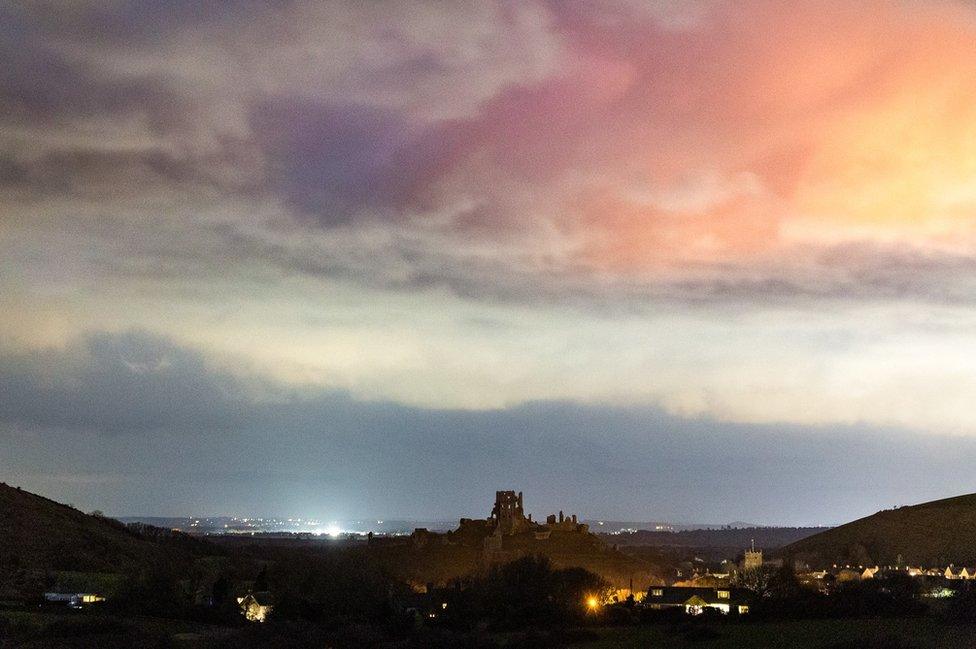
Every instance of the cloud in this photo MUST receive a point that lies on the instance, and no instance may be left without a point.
(539, 150)
(144, 422)
(132, 382)
(665, 149)
(333, 163)
(40, 83)
(689, 204)
(701, 158)
(144, 21)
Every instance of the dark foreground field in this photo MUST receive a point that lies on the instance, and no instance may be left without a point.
(924, 633)
(45, 631)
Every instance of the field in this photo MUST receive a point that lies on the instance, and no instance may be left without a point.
(46, 631)
(64, 629)
(926, 633)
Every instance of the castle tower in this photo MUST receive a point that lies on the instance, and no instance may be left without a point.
(508, 513)
(753, 559)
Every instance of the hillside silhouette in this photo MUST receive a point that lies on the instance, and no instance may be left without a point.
(737, 537)
(37, 533)
(932, 534)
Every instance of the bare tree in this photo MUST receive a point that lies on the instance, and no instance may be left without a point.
(755, 579)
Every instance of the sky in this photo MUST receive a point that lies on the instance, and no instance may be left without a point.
(642, 260)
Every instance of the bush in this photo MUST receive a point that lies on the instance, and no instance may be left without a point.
(894, 595)
(526, 593)
(962, 605)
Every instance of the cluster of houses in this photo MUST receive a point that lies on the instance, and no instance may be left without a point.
(696, 598)
(73, 600)
(951, 572)
(255, 607)
(695, 601)
(847, 573)
(697, 590)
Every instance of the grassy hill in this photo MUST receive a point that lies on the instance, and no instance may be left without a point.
(461, 553)
(38, 534)
(935, 533)
(738, 537)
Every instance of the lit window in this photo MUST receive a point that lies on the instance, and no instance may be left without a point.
(657, 592)
(743, 609)
(723, 594)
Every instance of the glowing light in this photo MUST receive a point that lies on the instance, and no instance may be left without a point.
(332, 530)
(592, 603)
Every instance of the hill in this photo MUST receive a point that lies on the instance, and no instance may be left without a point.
(739, 537)
(38, 534)
(442, 558)
(932, 534)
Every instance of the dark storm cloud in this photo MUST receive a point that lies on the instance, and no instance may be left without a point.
(60, 96)
(142, 402)
(125, 383)
(334, 163)
(341, 164)
(145, 21)
(38, 83)
(12, 173)
(95, 172)
(850, 273)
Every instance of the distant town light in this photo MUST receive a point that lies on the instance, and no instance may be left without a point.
(332, 530)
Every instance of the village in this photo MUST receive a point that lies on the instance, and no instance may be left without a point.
(731, 586)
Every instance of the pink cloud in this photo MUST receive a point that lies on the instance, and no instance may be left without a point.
(727, 139)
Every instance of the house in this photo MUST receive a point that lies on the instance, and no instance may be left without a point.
(256, 606)
(696, 600)
(951, 572)
(847, 574)
(869, 573)
(74, 600)
(961, 573)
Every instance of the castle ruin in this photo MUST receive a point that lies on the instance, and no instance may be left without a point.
(508, 514)
(508, 519)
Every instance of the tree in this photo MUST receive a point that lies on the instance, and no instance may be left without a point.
(755, 579)
(783, 583)
(527, 593)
